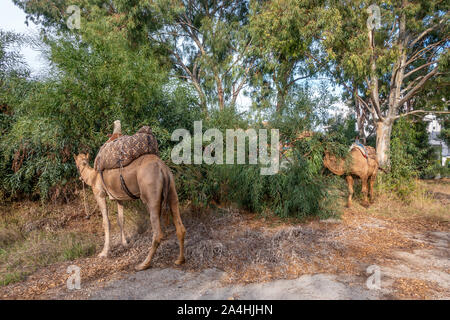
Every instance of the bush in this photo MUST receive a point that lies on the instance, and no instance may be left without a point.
(299, 190)
(73, 111)
(411, 157)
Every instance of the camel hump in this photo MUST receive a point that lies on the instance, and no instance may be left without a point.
(125, 149)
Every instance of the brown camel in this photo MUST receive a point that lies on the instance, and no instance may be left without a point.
(365, 168)
(147, 177)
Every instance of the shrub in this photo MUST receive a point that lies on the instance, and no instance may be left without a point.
(411, 157)
(299, 190)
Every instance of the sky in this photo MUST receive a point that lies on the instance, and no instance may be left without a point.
(12, 18)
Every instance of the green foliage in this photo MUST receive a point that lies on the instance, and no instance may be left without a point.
(74, 110)
(343, 130)
(411, 157)
(202, 54)
(12, 277)
(295, 192)
(11, 61)
(284, 47)
(299, 190)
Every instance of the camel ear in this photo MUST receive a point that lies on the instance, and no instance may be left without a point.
(87, 156)
(74, 156)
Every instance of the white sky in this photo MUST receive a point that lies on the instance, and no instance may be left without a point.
(12, 18)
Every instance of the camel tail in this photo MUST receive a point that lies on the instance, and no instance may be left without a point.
(165, 191)
(383, 169)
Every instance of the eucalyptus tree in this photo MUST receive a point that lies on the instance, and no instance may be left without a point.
(389, 56)
(208, 44)
(285, 37)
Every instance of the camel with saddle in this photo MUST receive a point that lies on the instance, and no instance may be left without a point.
(128, 168)
(362, 163)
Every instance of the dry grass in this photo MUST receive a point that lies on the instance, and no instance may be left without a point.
(407, 288)
(250, 248)
(34, 236)
(429, 202)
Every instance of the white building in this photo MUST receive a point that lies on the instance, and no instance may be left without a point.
(434, 130)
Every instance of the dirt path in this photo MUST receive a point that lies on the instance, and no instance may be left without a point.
(180, 285)
(422, 273)
(237, 255)
(337, 255)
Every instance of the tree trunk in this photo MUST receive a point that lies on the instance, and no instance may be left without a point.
(221, 99)
(384, 129)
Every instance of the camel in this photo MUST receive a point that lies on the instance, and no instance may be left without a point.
(147, 177)
(365, 168)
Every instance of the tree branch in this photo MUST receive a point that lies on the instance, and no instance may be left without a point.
(418, 86)
(421, 111)
(419, 68)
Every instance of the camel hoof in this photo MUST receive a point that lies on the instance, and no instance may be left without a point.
(180, 261)
(103, 255)
(125, 243)
(141, 267)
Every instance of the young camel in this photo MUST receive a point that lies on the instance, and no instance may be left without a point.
(365, 168)
(147, 177)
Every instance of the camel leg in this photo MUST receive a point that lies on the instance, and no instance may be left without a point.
(102, 205)
(121, 223)
(155, 212)
(364, 190)
(372, 180)
(181, 230)
(349, 179)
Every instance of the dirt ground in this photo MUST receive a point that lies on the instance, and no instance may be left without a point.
(231, 254)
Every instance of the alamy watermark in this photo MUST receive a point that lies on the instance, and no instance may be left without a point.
(374, 280)
(74, 280)
(374, 20)
(74, 20)
(213, 153)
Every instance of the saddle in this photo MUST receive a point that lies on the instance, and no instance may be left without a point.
(361, 148)
(120, 151)
(123, 150)
(366, 151)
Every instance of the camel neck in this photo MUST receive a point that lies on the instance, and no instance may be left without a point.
(88, 175)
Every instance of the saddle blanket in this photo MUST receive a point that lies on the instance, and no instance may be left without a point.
(366, 151)
(123, 150)
(361, 148)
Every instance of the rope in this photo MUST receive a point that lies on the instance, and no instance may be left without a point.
(86, 209)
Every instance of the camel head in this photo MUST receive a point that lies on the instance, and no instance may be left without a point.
(326, 159)
(333, 164)
(81, 161)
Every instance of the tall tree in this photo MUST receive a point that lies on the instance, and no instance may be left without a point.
(387, 67)
(284, 36)
(204, 40)
(208, 43)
